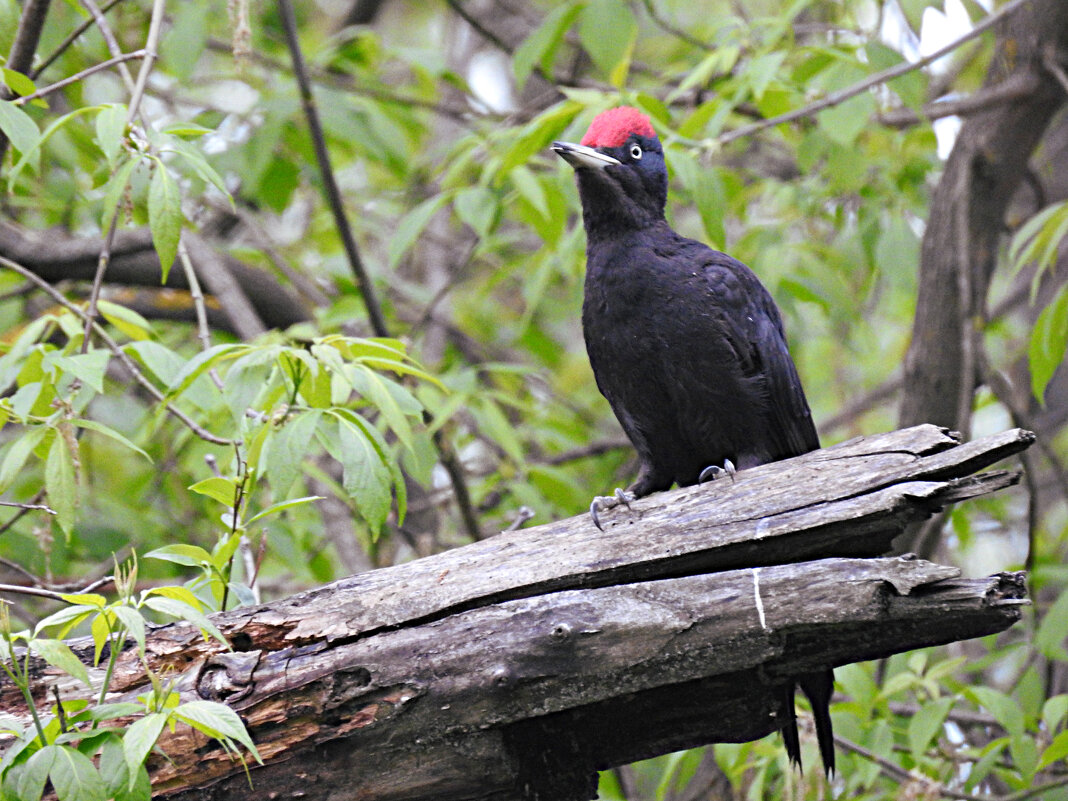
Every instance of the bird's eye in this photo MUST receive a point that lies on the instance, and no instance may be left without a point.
(635, 152)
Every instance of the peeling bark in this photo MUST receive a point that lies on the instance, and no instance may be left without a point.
(518, 666)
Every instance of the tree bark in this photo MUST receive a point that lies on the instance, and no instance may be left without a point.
(58, 256)
(518, 666)
(960, 243)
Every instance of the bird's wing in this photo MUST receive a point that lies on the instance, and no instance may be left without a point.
(738, 311)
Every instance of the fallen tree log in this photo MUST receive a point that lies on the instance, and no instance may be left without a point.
(517, 666)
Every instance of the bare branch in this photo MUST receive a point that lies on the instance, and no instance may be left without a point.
(20, 58)
(1012, 88)
(29, 506)
(326, 170)
(72, 37)
(881, 77)
(109, 38)
(78, 76)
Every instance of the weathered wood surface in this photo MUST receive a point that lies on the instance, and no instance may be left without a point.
(517, 666)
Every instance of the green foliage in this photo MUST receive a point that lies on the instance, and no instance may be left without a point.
(469, 226)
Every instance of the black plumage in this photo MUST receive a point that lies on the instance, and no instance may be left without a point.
(685, 342)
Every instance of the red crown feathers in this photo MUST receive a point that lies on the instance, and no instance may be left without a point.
(613, 127)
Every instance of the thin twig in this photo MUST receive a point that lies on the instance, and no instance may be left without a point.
(103, 65)
(834, 98)
(326, 171)
(36, 581)
(1035, 790)
(15, 589)
(221, 283)
(898, 773)
(22, 511)
(102, 262)
(72, 37)
(110, 40)
(674, 30)
(1012, 88)
(481, 29)
(114, 347)
(203, 332)
(29, 507)
(1053, 67)
(151, 47)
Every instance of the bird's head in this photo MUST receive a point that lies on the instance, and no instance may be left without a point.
(620, 169)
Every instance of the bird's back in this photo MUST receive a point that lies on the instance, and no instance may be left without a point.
(688, 348)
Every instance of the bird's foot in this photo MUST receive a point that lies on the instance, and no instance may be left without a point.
(603, 503)
(714, 471)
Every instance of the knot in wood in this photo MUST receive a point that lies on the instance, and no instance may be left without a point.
(502, 677)
(228, 677)
(562, 632)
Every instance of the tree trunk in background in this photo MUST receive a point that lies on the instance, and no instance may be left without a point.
(960, 245)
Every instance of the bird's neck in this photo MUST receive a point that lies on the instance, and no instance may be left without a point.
(610, 215)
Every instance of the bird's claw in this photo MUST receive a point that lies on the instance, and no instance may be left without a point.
(606, 502)
(714, 471)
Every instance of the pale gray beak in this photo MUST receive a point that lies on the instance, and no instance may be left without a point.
(580, 156)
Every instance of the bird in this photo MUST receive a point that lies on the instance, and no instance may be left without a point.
(685, 343)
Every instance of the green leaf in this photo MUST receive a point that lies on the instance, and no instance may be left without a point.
(61, 484)
(366, 478)
(530, 188)
(541, 46)
(32, 780)
(116, 190)
(33, 154)
(138, 740)
(411, 226)
(181, 554)
(164, 217)
(1004, 709)
(66, 618)
(478, 207)
(74, 777)
(607, 29)
(87, 367)
(58, 654)
(180, 610)
(134, 623)
(201, 363)
(1055, 751)
(1049, 341)
(1054, 711)
(17, 453)
(126, 320)
(18, 127)
(17, 82)
(278, 507)
(186, 129)
(374, 387)
(224, 490)
(100, 428)
(289, 445)
(926, 724)
(162, 362)
(218, 721)
(195, 159)
(844, 122)
(183, 594)
(110, 130)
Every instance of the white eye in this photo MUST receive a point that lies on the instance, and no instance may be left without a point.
(635, 152)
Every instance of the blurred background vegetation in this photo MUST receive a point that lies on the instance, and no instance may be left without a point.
(910, 229)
